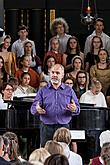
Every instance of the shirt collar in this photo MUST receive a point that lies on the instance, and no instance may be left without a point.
(19, 40)
(62, 86)
(94, 33)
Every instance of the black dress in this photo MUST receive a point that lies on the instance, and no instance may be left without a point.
(92, 59)
(4, 162)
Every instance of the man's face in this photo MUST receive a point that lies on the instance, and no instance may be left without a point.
(56, 74)
(99, 27)
(23, 34)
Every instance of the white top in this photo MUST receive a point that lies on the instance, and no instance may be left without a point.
(104, 137)
(89, 98)
(20, 91)
(105, 39)
(73, 158)
(3, 105)
(18, 47)
(21, 159)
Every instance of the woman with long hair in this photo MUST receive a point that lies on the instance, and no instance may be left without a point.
(8, 56)
(101, 70)
(35, 62)
(49, 62)
(76, 66)
(73, 49)
(3, 74)
(92, 56)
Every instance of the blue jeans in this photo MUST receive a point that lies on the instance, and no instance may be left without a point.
(47, 132)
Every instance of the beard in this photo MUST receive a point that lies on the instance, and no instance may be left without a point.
(55, 81)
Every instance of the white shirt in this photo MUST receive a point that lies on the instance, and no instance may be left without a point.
(23, 91)
(73, 158)
(89, 98)
(3, 105)
(105, 39)
(18, 47)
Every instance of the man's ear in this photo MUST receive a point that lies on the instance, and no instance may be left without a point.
(63, 74)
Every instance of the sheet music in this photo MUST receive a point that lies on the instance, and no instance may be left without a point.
(78, 134)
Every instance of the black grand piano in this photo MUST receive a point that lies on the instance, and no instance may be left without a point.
(20, 120)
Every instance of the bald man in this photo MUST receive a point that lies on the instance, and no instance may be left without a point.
(56, 103)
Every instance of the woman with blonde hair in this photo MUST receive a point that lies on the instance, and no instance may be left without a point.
(54, 147)
(40, 155)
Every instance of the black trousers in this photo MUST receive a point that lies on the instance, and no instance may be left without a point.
(47, 132)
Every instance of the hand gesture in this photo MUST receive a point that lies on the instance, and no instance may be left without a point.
(72, 106)
(39, 109)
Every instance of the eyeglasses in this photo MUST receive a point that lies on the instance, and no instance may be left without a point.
(69, 83)
(96, 41)
(82, 77)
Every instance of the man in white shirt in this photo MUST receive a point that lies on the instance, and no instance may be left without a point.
(18, 45)
(94, 95)
(99, 27)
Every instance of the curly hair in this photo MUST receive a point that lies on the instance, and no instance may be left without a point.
(56, 22)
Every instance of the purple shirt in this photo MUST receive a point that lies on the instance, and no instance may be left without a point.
(55, 102)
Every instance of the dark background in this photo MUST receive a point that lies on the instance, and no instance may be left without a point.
(68, 9)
